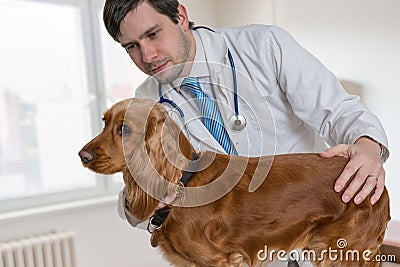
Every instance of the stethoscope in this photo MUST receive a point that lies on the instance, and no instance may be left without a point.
(236, 122)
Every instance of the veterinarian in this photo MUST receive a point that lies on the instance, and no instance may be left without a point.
(279, 83)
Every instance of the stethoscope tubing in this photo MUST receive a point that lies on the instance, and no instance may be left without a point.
(172, 103)
(232, 63)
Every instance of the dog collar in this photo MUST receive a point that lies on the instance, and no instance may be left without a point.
(159, 216)
(186, 175)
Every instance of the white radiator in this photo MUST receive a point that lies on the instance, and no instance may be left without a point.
(49, 250)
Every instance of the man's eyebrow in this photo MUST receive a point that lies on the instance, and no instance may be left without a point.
(148, 31)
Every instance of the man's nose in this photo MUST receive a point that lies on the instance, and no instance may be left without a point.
(149, 53)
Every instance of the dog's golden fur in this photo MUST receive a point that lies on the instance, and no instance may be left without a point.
(295, 207)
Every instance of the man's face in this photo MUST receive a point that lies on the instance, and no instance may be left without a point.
(155, 44)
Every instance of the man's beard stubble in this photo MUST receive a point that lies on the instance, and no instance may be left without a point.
(182, 67)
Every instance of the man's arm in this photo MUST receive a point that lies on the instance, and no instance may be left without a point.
(318, 99)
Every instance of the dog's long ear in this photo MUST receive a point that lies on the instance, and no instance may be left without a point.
(139, 203)
(154, 124)
(163, 140)
(164, 134)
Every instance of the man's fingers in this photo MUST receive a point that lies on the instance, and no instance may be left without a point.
(380, 187)
(350, 169)
(338, 150)
(353, 187)
(369, 185)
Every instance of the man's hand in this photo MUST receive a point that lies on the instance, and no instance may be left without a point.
(366, 166)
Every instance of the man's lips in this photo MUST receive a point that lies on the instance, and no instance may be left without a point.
(159, 68)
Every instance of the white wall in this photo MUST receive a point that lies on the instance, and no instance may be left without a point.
(358, 40)
(202, 12)
(102, 238)
(239, 12)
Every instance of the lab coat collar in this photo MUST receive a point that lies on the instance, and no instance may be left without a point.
(216, 55)
(216, 52)
(199, 67)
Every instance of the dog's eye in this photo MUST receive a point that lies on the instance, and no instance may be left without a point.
(124, 130)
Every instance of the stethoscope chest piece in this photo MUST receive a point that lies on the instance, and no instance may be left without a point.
(237, 122)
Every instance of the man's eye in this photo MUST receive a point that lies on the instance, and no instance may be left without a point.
(124, 130)
(130, 48)
(153, 34)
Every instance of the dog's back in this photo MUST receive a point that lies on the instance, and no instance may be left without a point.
(295, 207)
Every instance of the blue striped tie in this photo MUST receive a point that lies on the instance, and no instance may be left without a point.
(211, 116)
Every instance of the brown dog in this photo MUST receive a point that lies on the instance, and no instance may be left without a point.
(295, 206)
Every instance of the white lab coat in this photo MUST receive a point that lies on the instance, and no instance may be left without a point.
(292, 103)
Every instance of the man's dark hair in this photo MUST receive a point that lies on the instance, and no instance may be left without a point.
(116, 10)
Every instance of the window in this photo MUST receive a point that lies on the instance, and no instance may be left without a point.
(121, 76)
(53, 91)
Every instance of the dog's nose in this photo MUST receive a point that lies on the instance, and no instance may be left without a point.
(85, 156)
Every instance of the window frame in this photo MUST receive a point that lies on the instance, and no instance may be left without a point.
(105, 185)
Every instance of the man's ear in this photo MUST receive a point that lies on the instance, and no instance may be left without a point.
(183, 17)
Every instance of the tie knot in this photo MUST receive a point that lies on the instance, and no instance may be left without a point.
(192, 83)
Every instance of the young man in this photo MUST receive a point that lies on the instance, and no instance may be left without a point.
(278, 81)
